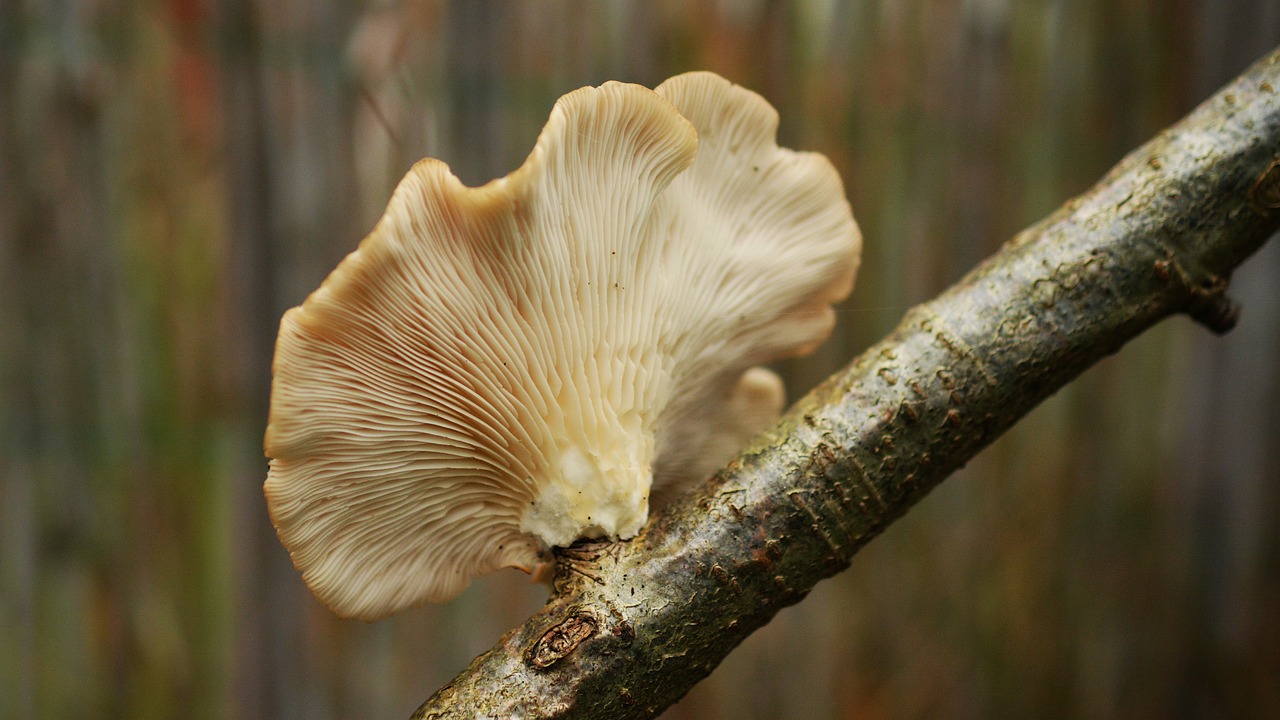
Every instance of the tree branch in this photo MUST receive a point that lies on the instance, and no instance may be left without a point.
(632, 626)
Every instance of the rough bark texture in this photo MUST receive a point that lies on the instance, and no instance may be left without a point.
(632, 626)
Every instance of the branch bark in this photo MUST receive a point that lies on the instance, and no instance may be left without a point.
(632, 626)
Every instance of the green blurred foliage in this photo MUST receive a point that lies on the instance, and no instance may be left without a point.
(176, 173)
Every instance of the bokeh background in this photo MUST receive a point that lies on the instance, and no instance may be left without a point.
(174, 174)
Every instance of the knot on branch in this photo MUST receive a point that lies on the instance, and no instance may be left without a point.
(561, 640)
(1212, 307)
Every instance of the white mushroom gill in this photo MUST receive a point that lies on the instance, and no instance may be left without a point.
(501, 369)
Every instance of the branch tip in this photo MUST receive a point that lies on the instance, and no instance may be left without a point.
(1207, 301)
(1213, 308)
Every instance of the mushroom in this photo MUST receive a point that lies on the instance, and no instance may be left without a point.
(502, 369)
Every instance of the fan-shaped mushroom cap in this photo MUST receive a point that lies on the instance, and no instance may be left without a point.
(710, 441)
(501, 369)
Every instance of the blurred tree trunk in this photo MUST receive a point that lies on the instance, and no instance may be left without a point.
(17, 531)
(268, 645)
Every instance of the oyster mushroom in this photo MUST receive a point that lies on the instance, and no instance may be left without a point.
(502, 369)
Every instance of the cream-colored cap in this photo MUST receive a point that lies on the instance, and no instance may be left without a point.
(501, 369)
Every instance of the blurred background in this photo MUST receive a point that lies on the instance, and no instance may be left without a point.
(174, 174)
